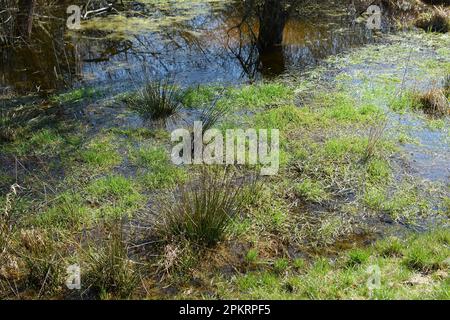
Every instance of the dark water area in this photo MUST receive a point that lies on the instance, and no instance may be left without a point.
(193, 41)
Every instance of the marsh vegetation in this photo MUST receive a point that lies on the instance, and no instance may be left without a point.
(86, 176)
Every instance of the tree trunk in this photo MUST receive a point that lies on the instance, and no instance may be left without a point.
(25, 17)
(272, 20)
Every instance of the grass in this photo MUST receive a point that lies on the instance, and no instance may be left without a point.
(42, 257)
(111, 274)
(347, 276)
(200, 212)
(114, 196)
(303, 235)
(158, 172)
(311, 190)
(8, 125)
(436, 20)
(100, 153)
(434, 102)
(253, 97)
(156, 100)
(69, 212)
(74, 96)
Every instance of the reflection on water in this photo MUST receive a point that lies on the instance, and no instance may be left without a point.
(190, 39)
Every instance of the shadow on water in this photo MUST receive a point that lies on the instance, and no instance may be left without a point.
(159, 38)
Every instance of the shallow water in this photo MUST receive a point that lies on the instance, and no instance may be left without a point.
(193, 40)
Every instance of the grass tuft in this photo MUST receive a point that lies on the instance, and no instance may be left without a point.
(157, 100)
(200, 212)
(434, 103)
(111, 273)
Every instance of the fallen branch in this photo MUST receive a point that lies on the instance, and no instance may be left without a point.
(98, 11)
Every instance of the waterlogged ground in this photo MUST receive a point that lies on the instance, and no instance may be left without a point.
(345, 201)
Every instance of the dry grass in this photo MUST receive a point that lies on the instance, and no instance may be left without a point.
(434, 102)
(436, 20)
(446, 86)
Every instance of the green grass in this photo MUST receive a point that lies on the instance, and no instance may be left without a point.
(284, 118)
(157, 170)
(101, 153)
(198, 97)
(252, 256)
(345, 146)
(311, 190)
(114, 196)
(200, 212)
(378, 171)
(70, 212)
(74, 96)
(111, 274)
(249, 97)
(46, 142)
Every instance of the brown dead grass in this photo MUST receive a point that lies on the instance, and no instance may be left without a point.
(434, 102)
(435, 20)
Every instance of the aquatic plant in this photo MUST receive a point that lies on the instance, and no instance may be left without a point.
(156, 100)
